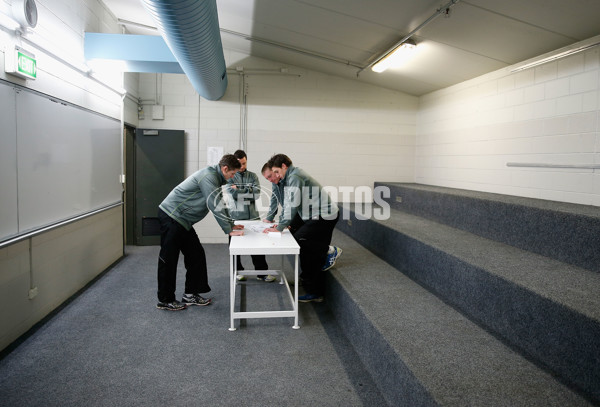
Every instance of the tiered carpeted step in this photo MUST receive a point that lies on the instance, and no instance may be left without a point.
(530, 317)
(562, 231)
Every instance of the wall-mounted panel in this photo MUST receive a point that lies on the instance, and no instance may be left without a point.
(67, 161)
(8, 163)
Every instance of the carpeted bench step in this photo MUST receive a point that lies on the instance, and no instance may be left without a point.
(423, 352)
(562, 231)
(548, 310)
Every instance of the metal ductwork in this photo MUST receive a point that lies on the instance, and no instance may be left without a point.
(191, 30)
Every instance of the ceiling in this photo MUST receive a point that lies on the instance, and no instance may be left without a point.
(342, 37)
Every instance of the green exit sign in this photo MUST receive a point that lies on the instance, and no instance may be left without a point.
(26, 65)
(20, 63)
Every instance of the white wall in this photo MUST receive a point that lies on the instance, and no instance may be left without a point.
(467, 133)
(59, 33)
(131, 82)
(344, 133)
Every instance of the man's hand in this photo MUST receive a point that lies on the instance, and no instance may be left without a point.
(237, 233)
(268, 221)
(273, 229)
(238, 227)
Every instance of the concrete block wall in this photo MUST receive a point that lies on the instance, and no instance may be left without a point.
(466, 134)
(343, 132)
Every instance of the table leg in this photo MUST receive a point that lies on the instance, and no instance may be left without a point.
(281, 269)
(232, 280)
(296, 326)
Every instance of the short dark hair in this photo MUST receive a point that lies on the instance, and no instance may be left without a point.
(278, 159)
(239, 154)
(265, 167)
(230, 161)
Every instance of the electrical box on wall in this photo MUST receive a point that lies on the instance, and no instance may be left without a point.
(158, 112)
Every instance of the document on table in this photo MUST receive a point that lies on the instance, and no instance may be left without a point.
(258, 227)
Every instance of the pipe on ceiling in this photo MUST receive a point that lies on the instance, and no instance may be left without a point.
(191, 30)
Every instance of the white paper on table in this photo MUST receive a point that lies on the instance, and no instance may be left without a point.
(258, 227)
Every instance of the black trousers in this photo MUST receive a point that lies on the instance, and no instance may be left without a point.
(173, 240)
(314, 237)
(258, 260)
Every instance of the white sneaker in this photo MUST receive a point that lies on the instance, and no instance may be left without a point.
(267, 279)
(241, 277)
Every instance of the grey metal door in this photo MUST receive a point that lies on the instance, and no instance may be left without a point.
(159, 167)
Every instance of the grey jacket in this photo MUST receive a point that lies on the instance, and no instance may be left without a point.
(190, 201)
(276, 199)
(242, 205)
(304, 196)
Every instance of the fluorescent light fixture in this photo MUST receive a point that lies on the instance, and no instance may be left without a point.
(8, 22)
(396, 57)
(562, 53)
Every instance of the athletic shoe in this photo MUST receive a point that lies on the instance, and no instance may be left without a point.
(310, 298)
(195, 299)
(171, 306)
(266, 279)
(241, 277)
(332, 258)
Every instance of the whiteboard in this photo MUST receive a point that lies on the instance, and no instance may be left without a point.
(8, 163)
(68, 161)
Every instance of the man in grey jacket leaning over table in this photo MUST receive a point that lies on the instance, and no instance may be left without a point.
(188, 203)
(244, 191)
(304, 196)
(277, 188)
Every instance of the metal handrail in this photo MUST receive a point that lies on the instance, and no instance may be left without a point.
(545, 165)
(47, 228)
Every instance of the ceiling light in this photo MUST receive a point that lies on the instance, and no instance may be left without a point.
(405, 40)
(561, 53)
(395, 58)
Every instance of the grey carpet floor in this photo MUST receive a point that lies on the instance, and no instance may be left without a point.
(110, 346)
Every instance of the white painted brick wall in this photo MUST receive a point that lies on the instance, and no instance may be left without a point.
(343, 132)
(549, 114)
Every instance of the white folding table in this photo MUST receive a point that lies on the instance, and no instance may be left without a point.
(256, 242)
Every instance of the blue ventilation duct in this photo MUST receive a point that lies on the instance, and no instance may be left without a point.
(191, 30)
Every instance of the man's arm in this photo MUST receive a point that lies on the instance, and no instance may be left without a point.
(232, 188)
(254, 187)
(292, 201)
(273, 206)
(211, 188)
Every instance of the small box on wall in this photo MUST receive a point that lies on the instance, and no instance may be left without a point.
(158, 112)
